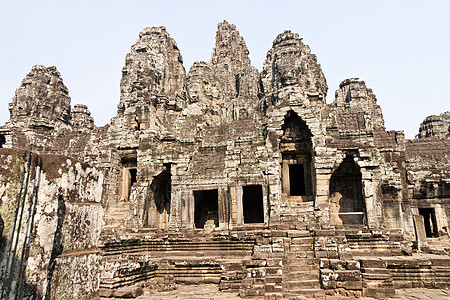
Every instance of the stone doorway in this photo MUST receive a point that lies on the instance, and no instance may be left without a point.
(161, 187)
(297, 183)
(297, 168)
(206, 208)
(129, 177)
(347, 201)
(429, 220)
(252, 200)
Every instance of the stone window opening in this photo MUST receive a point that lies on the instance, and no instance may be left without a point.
(206, 208)
(297, 176)
(429, 220)
(2, 140)
(252, 200)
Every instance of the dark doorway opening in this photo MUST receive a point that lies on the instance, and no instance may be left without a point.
(2, 140)
(133, 176)
(297, 180)
(429, 219)
(206, 208)
(129, 176)
(252, 199)
(162, 188)
(346, 189)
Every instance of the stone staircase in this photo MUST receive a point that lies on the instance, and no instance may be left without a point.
(297, 215)
(374, 244)
(120, 271)
(372, 249)
(283, 266)
(377, 281)
(420, 271)
(278, 261)
(300, 266)
(263, 276)
(350, 260)
(440, 245)
(187, 257)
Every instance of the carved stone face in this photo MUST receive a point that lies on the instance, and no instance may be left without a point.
(41, 98)
(289, 68)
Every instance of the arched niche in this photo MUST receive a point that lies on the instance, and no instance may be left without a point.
(157, 204)
(296, 150)
(347, 204)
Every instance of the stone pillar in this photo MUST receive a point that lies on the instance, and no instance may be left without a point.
(421, 236)
(234, 205)
(223, 208)
(187, 209)
(175, 209)
(240, 205)
(322, 201)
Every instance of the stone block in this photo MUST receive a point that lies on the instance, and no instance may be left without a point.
(350, 285)
(129, 292)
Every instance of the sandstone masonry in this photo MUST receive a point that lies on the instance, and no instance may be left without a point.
(225, 175)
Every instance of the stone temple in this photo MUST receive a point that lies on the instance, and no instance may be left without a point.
(222, 175)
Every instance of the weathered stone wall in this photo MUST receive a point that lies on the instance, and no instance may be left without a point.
(222, 127)
(52, 215)
(42, 121)
(42, 100)
(428, 165)
(434, 126)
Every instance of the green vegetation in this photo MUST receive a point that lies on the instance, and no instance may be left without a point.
(446, 116)
(374, 152)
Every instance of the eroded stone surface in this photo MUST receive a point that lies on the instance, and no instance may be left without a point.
(434, 126)
(51, 207)
(41, 100)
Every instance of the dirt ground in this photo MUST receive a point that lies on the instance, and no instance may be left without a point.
(199, 292)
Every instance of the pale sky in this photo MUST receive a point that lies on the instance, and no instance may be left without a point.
(401, 49)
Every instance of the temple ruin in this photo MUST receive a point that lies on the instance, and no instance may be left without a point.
(225, 175)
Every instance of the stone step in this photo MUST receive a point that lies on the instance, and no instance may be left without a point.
(383, 277)
(298, 233)
(301, 261)
(304, 240)
(273, 279)
(206, 253)
(175, 248)
(337, 264)
(301, 248)
(375, 271)
(301, 275)
(296, 285)
(274, 271)
(378, 292)
(376, 263)
(341, 275)
(299, 268)
(313, 292)
(370, 252)
(230, 285)
(273, 296)
(273, 288)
